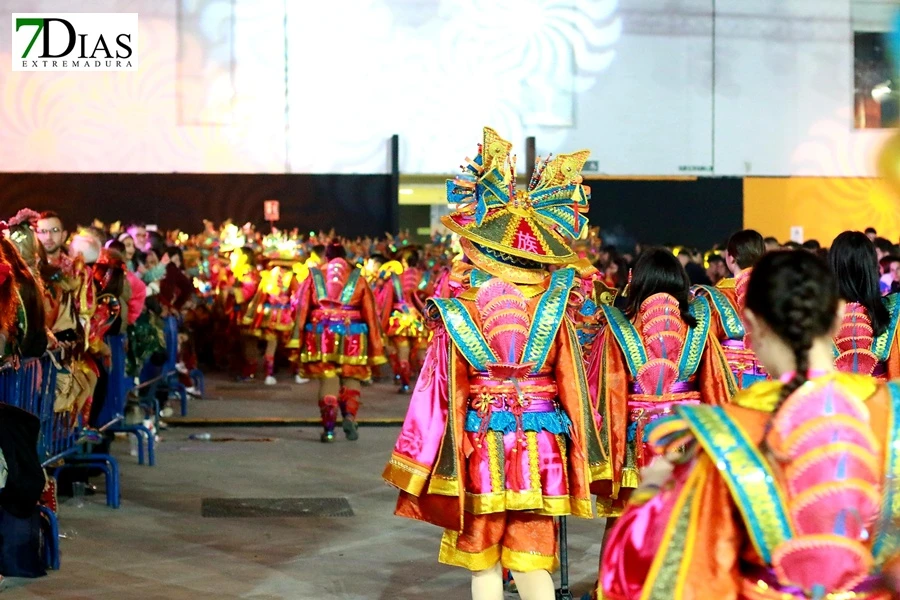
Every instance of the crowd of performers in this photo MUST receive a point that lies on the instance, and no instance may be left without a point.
(740, 438)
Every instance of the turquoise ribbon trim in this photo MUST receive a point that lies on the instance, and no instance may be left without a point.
(505, 422)
(466, 336)
(478, 278)
(749, 478)
(627, 337)
(547, 318)
(728, 314)
(350, 287)
(881, 347)
(695, 341)
(887, 542)
(340, 328)
(319, 282)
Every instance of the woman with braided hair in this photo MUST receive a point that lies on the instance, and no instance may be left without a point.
(782, 493)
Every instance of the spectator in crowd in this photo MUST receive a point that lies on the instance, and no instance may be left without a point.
(52, 234)
(138, 289)
(772, 244)
(138, 233)
(883, 247)
(717, 270)
(696, 272)
(871, 233)
(890, 274)
(812, 246)
(131, 252)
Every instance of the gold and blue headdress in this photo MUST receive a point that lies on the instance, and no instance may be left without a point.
(524, 229)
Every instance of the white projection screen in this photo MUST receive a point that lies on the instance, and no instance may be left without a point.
(651, 87)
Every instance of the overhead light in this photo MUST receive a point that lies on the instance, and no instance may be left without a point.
(881, 91)
(409, 192)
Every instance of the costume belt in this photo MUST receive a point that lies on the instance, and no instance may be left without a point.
(761, 582)
(742, 359)
(531, 394)
(679, 387)
(643, 410)
(336, 314)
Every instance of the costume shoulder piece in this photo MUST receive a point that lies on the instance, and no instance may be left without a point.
(501, 300)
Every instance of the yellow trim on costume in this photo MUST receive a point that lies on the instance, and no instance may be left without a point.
(690, 539)
(525, 562)
(377, 361)
(562, 442)
(498, 269)
(405, 474)
(528, 291)
(760, 396)
(534, 465)
(674, 522)
(443, 486)
(727, 284)
(473, 561)
(337, 358)
(580, 507)
(496, 461)
(531, 501)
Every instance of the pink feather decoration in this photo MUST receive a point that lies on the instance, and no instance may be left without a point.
(663, 333)
(505, 324)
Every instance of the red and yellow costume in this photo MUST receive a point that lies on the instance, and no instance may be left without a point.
(400, 319)
(812, 517)
(858, 350)
(499, 437)
(727, 302)
(336, 333)
(642, 369)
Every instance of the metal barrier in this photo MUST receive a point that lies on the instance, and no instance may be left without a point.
(62, 441)
(113, 414)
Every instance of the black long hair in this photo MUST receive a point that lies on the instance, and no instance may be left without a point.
(854, 264)
(657, 271)
(796, 295)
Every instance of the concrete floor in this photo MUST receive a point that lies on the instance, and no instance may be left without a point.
(158, 545)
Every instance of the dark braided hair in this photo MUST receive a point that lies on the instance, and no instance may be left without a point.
(795, 294)
(657, 271)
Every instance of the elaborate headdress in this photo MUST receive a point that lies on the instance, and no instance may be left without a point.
(512, 230)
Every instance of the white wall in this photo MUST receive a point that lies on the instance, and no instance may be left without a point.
(652, 87)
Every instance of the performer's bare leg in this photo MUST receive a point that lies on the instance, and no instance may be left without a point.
(488, 584)
(535, 585)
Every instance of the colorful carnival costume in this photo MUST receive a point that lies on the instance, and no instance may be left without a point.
(858, 350)
(727, 302)
(400, 319)
(269, 315)
(813, 516)
(499, 436)
(642, 369)
(338, 339)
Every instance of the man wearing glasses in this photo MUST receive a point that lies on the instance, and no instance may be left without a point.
(52, 235)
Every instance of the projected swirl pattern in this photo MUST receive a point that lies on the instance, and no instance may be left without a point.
(432, 71)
